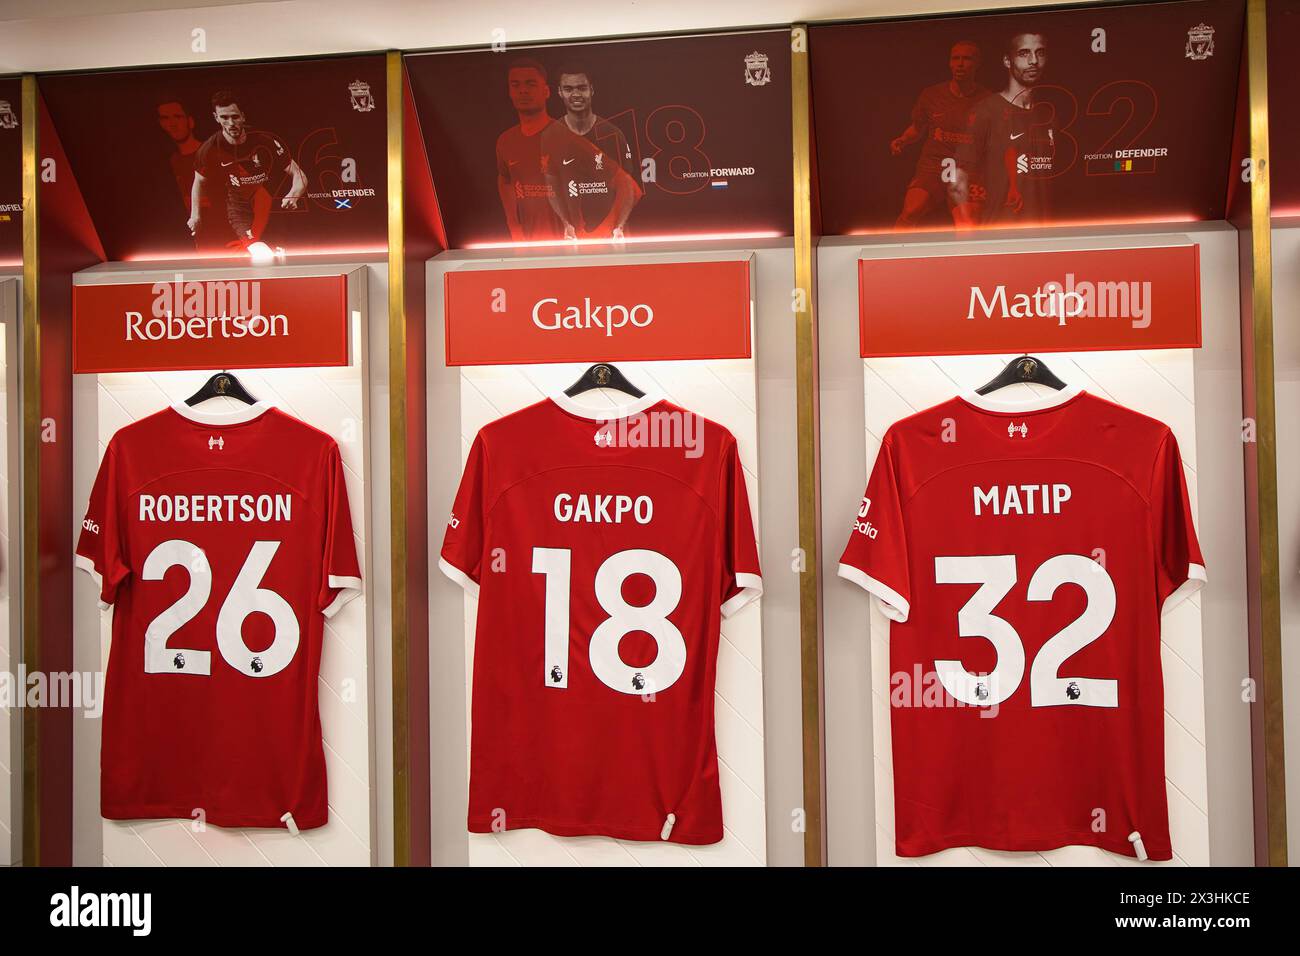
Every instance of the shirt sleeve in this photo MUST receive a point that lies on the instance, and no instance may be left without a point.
(203, 160)
(280, 156)
(970, 153)
(342, 572)
(742, 580)
(627, 161)
(503, 167)
(920, 115)
(876, 556)
(462, 545)
(1180, 568)
(100, 549)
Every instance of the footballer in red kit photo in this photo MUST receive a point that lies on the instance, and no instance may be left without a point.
(526, 195)
(213, 160)
(940, 122)
(252, 165)
(211, 231)
(1005, 159)
(589, 164)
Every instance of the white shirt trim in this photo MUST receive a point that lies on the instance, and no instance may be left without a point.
(1195, 580)
(751, 586)
(892, 604)
(459, 576)
(349, 588)
(88, 566)
(610, 412)
(236, 417)
(1052, 400)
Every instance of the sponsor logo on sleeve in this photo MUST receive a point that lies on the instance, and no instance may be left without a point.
(861, 525)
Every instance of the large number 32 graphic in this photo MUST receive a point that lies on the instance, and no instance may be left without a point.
(996, 576)
(623, 618)
(244, 598)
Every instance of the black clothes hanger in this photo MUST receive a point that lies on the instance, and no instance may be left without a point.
(603, 375)
(222, 384)
(1025, 368)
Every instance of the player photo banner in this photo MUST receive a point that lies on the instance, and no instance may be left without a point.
(1099, 114)
(1100, 299)
(665, 138)
(287, 322)
(651, 312)
(11, 173)
(208, 161)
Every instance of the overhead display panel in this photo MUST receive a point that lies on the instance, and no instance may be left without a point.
(682, 137)
(205, 161)
(11, 172)
(1114, 114)
(1283, 93)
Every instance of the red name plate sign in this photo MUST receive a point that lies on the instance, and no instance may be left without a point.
(1140, 298)
(210, 323)
(675, 310)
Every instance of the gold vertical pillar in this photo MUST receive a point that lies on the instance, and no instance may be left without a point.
(1261, 466)
(401, 631)
(30, 378)
(808, 436)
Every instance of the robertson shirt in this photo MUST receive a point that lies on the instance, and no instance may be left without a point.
(603, 557)
(221, 541)
(1025, 554)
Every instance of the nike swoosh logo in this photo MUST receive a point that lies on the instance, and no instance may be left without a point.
(566, 162)
(1016, 135)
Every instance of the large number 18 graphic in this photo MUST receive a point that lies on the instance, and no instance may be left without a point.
(996, 576)
(623, 618)
(245, 598)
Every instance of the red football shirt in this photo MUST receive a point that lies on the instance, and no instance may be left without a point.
(221, 541)
(1025, 554)
(604, 552)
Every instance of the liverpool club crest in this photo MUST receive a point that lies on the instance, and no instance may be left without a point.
(8, 119)
(1200, 42)
(362, 101)
(757, 72)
